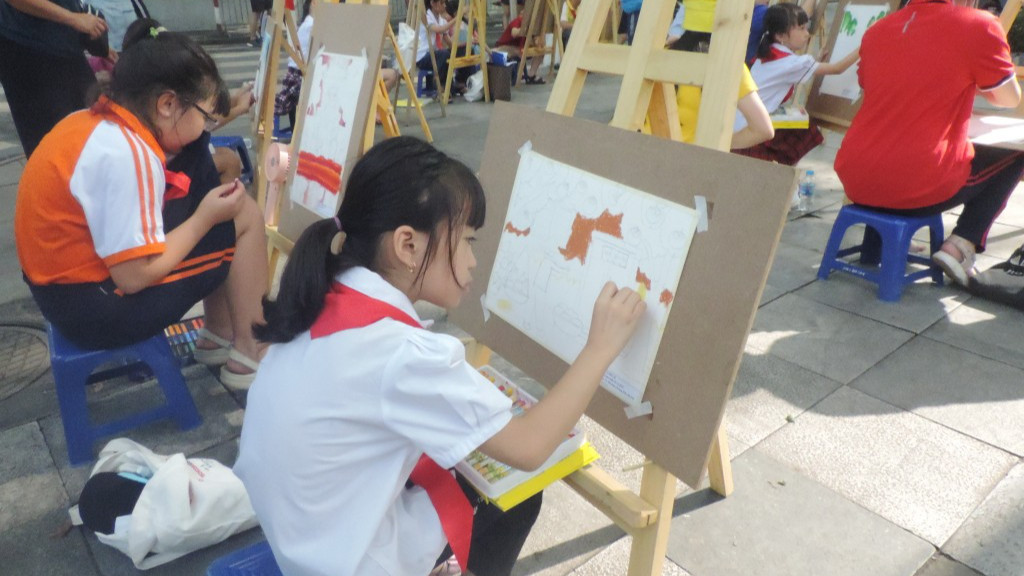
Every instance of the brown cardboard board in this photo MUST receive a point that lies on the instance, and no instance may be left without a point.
(342, 29)
(718, 293)
(828, 107)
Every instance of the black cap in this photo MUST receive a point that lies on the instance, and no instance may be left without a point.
(106, 496)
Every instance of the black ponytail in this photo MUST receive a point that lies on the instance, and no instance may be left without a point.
(778, 20)
(402, 181)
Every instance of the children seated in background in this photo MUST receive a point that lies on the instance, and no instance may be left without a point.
(513, 41)
(355, 399)
(436, 28)
(777, 71)
(134, 257)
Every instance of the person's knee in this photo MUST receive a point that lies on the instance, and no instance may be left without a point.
(249, 218)
(228, 163)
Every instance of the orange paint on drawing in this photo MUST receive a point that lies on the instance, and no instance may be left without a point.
(666, 298)
(517, 231)
(583, 231)
(643, 279)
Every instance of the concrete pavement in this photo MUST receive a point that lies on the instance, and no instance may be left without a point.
(866, 437)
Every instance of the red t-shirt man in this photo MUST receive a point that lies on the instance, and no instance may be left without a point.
(907, 150)
(507, 38)
(920, 69)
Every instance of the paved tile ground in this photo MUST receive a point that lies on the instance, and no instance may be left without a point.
(867, 437)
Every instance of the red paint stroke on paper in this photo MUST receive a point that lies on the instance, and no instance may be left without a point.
(517, 231)
(643, 279)
(323, 171)
(666, 298)
(583, 231)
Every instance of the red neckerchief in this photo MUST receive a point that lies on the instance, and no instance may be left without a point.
(178, 184)
(346, 308)
(774, 53)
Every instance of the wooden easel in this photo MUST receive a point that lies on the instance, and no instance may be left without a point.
(281, 21)
(541, 17)
(476, 33)
(416, 17)
(649, 73)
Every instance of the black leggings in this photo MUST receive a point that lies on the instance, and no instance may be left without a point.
(994, 175)
(498, 536)
(41, 89)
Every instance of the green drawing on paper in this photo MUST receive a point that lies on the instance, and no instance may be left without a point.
(849, 25)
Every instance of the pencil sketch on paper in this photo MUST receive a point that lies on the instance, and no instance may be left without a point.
(323, 144)
(261, 70)
(856, 20)
(569, 231)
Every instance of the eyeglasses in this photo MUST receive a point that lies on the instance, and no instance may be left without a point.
(211, 122)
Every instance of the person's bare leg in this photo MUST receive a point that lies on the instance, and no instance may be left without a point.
(247, 282)
(228, 163)
(217, 319)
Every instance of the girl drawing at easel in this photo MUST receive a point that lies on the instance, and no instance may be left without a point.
(777, 71)
(357, 411)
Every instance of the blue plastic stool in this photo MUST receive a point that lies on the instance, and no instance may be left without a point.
(236, 143)
(73, 370)
(887, 244)
(423, 80)
(256, 560)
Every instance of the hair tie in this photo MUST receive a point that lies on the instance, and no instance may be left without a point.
(154, 32)
(339, 238)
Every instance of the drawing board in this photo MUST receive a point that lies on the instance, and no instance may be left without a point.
(716, 295)
(836, 98)
(265, 82)
(568, 232)
(334, 104)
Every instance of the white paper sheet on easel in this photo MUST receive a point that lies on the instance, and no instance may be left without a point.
(334, 86)
(856, 20)
(567, 232)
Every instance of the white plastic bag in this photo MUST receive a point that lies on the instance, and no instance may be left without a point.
(406, 38)
(186, 505)
(475, 87)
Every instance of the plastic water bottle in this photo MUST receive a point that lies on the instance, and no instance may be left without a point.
(806, 192)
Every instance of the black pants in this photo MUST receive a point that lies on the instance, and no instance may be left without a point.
(41, 89)
(994, 175)
(498, 536)
(442, 56)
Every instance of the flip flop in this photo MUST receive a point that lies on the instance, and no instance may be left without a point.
(960, 271)
(212, 356)
(234, 380)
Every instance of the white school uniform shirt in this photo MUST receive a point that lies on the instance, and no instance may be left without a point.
(305, 34)
(335, 425)
(775, 78)
(423, 44)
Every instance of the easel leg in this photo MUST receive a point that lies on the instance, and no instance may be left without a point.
(647, 556)
(719, 466)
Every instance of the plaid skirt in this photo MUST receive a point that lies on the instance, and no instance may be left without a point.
(288, 98)
(788, 146)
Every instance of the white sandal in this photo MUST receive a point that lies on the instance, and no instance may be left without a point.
(234, 380)
(960, 270)
(212, 356)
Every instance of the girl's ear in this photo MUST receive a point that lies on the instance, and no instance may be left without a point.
(165, 104)
(405, 242)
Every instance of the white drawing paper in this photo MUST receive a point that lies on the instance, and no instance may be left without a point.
(566, 234)
(261, 71)
(856, 20)
(335, 81)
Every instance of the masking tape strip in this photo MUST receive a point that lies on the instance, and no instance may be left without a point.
(701, 204)
(642, 409)
(483, 305)
(525, 147)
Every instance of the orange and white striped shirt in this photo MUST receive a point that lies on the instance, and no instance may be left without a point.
(90, 197)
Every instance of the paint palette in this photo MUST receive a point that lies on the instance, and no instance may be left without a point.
(493, 478)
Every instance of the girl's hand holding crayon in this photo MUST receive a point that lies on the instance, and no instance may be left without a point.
(617, 312)
(222, 203)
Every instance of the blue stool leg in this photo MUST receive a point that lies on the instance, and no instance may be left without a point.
(835, 240)
(168, 373)
(74, 413)
(894, 264)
